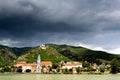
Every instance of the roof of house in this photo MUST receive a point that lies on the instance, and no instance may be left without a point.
(30, 64)
(43, 63)
(72, 64)
(46, 63)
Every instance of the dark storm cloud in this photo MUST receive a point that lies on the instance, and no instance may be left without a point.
(26, 18)
(33, 22)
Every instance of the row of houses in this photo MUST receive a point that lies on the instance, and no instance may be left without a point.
(45, 64)
(32, 66)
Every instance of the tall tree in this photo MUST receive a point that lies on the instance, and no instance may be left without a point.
(115, 66)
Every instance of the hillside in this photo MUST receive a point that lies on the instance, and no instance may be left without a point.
(6, 56)
(20, 51)
(84, 54)
(54, 53)
(48, 53)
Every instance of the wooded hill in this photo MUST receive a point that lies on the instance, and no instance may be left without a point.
(54, 53)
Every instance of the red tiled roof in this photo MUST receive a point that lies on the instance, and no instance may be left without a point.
(33, 65)
(43, 63)
(46, 63)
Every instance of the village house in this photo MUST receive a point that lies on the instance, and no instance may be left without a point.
(95, 67)
(45, 66)
(20, 64)
(29, 66)
(70, 65)
(46, 63)
(32, 66)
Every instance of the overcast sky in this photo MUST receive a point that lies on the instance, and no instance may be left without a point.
(94, 24)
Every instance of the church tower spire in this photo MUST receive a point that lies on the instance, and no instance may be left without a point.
(38, 68)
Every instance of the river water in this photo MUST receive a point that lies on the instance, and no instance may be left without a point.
(58, 77)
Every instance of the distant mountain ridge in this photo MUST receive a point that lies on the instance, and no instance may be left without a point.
(54, 53)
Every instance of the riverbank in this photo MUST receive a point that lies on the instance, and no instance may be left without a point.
(58, 77)
(81, 73)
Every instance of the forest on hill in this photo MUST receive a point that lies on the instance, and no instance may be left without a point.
(54, 53)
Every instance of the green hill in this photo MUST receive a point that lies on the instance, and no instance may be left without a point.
(54, 53)
(48, 54)
(6, 56)
(20, 51)
(84, 54)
